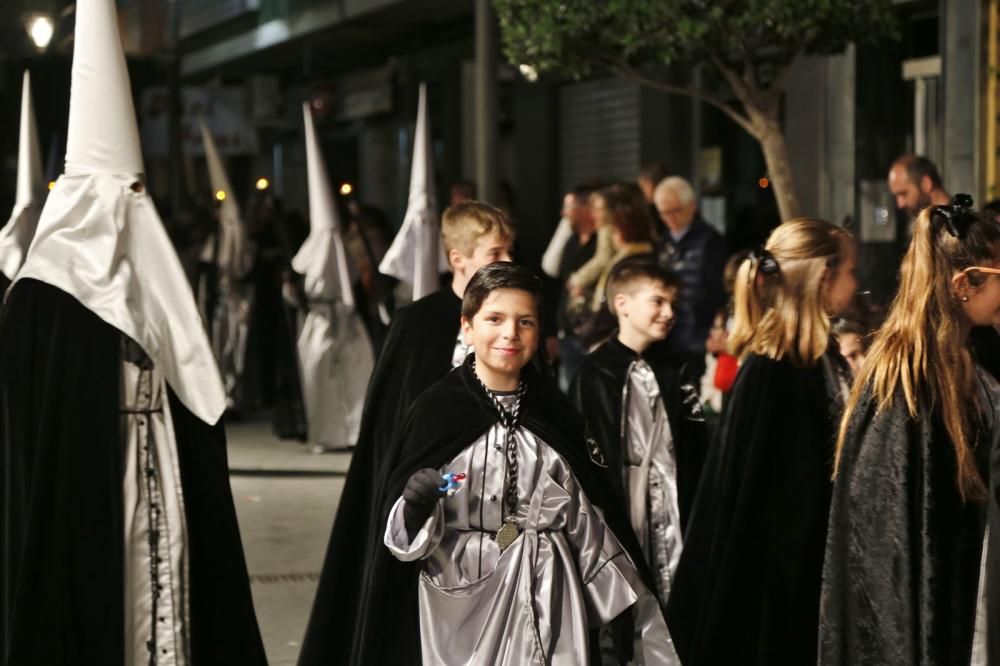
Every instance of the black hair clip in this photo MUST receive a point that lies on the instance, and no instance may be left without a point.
(955, 217)
(765, 261)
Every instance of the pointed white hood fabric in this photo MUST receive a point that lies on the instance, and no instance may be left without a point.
(416, 255)
(235, 256)
(104, 243)
(322, 258)
(335, 350)
(16, 235)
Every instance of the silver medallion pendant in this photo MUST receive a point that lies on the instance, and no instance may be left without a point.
(507, 534)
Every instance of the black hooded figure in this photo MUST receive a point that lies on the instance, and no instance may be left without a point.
(119, 542)
(748, 582)
(906, 579)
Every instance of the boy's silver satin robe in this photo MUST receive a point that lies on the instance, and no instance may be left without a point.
(536, 602)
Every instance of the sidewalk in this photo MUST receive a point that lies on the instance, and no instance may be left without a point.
(286, 499)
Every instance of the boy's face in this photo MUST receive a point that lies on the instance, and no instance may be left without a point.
(504, 333)
(647, 310)
(489, 249)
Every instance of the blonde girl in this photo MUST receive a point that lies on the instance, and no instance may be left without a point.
(748, 582)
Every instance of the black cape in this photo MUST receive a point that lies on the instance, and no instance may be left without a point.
(597, 393)
(418, 351)
(63, 521)
(446, 419)
(747, 585)
(903, 551)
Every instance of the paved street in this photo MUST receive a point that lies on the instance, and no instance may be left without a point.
(285, 498)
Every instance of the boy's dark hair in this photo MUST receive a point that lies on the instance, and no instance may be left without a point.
(654, 172)
(631, 270)
(499, 275)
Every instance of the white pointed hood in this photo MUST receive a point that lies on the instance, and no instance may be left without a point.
(103, 136)
(16, 235)
(322, 258)
(416, 255)
(102, 242)
(234, 258)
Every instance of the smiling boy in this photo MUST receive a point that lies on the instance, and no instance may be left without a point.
(648, 425)
(424, 342)
(518, 564)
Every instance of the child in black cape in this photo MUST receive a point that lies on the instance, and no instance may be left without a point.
(647, 423)
(747, 586)
(532, 551)
(422, 345)
(904, 572)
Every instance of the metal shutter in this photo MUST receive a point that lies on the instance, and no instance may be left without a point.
(598, 131)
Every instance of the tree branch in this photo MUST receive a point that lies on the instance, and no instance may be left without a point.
(628, 72)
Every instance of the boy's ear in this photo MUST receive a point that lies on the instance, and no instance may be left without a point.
(466, 330)
(621, 302)
(455, 260)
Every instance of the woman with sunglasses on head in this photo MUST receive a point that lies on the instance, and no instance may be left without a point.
(904, 554)
(747, 586)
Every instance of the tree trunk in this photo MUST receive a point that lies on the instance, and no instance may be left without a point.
(779, 170)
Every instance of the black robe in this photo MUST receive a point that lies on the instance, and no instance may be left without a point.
(903, 551)
(62, 516)
(445, 420)
(747, 586)
(597, 393)
(418, 351)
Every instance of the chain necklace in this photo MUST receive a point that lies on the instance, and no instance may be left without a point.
(509, 419)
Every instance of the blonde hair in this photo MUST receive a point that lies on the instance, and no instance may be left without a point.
(780, 310)
(919, 349)
(465, 223)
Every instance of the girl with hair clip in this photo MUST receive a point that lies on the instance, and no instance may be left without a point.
(904, 577)
(747, 585)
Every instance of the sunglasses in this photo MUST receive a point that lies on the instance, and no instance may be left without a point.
(982, 269)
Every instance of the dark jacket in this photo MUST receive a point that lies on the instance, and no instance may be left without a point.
(699, 259)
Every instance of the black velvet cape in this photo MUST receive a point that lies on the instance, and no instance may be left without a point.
(446, 419)
(597, 393)
(63, 519)
(903, 551)
(418, 351)
(747, 586)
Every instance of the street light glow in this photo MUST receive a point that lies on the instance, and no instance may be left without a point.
(263, 184)
(220, 195)
(40, 29)
(52, 185)
(346, 189)
(528, 72)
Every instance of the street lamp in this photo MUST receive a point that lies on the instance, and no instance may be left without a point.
(40, 28)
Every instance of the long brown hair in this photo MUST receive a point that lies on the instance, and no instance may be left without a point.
(779, 304)
(920, 349)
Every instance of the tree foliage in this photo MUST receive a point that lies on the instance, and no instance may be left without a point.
(751, 43)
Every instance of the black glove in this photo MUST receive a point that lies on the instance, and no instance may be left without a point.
(421, 494)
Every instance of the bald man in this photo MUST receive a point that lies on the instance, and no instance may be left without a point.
(915, 184)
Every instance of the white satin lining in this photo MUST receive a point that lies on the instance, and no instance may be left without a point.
(167, 630)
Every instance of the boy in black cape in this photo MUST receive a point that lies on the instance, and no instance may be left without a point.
(527, 555)
(423, 344)
(648, 425)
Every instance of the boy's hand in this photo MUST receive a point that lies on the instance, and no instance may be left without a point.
(421, 495)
